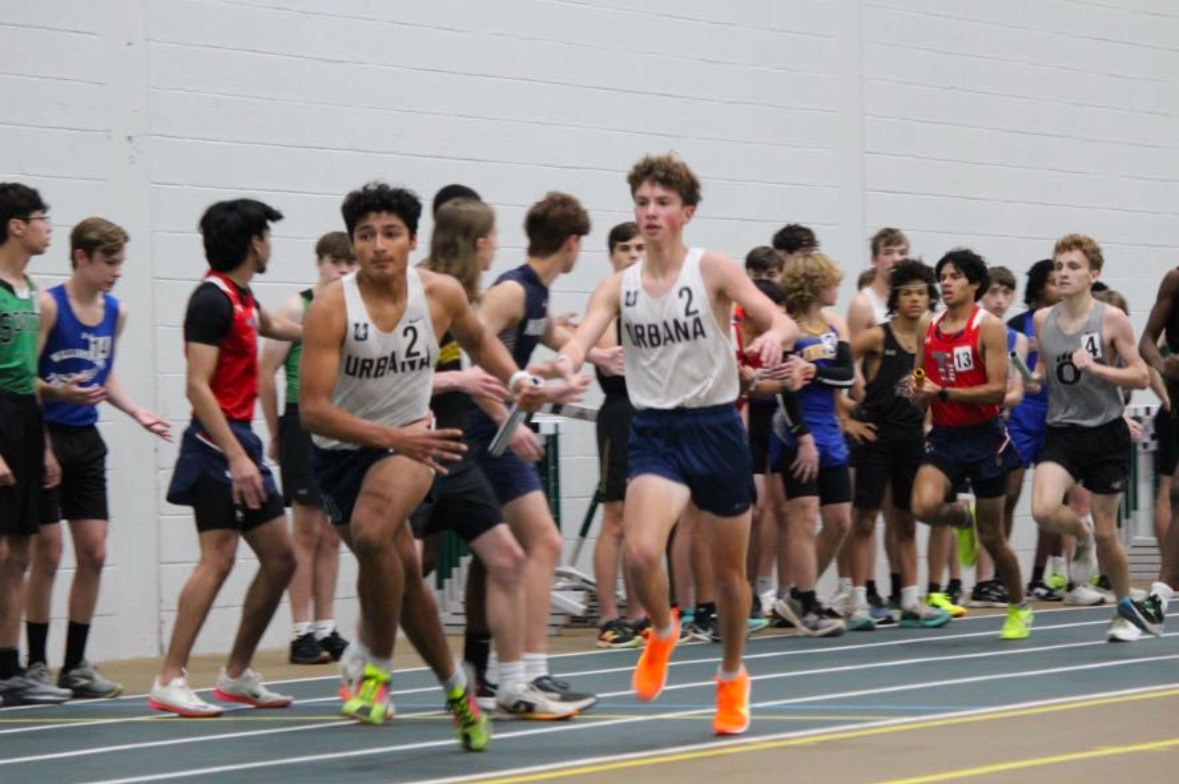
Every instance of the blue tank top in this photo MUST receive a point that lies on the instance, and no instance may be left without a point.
(1025, 323)
(817, 401)
(520, 338)
(73, 348)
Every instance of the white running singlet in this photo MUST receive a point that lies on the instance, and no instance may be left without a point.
(676, 354)
(385, 377)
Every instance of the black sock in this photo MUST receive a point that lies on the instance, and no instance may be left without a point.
(894, 584)
(9, 663)
(476, 651)
(38, 635)
(934, 588)
(705, 611)
(1037, 575)
(871, 586)
(75, 652)
(955, 585)
(808, 600)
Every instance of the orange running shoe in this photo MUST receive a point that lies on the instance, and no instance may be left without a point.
(732, 705)
(651, 671)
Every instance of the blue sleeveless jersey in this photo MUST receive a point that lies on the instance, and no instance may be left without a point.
(521, 338)
(817, 401)
(76, 349)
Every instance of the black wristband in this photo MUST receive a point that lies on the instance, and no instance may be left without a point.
(943, 395)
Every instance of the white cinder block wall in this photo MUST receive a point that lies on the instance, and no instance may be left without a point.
(999, 126)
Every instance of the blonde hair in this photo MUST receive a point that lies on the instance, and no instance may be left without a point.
(1086, 245)
(806, 278)
(458, 226)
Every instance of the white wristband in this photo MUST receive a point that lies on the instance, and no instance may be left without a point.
(519, 374)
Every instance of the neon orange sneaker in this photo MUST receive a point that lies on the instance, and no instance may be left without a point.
(651, 671)
(732, 705)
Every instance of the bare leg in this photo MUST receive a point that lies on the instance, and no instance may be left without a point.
(990, 535)
(45, 551)
(653, 505)
(836, 522)
(1110, 553)
(12, 574)
(90, 556)
(327, 570)
(218, 548)
(504, 559)
(276, 563)
(607, 553)
(306, 541)
(533, 525)
(728, 542)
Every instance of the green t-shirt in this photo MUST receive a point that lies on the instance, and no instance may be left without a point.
(291, 365)
(20, 319)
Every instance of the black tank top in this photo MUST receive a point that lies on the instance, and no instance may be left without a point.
(1172, 329)
(613, 386)
(451, 409)
(882, 405)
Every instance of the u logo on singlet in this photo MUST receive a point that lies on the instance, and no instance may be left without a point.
(360, 331)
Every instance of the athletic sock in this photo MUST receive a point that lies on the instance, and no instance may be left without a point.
(1056, 564)
(511, 676)
(725, 675)
(323, 629)
(9, 663)
(871, 588)
(933, 588)
(476, 651)
(75, 652)
(536, 665)
(38, 634)
(456, 682)
(300, 628)
(909, 600)
(845, 585)
(491, 675)
(894, 584)
(955, 585)
(765, 584)
(859, 598)
(1164, 592)
(1037, 575)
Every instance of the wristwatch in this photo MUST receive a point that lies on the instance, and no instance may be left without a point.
(943, 395)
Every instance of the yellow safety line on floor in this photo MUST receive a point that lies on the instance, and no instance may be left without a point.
(582, 770)
(1003, 767)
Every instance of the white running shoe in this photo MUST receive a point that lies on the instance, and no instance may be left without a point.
(528, 702)
(176, 696)
(842, 602)
(1083, 595)
(249, 690)
(1121, 630)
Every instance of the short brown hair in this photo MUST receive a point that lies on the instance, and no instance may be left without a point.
(97, 234)
(670, 172)
(888, 237)
(553, 220)
(335, 244)
(1000, 276)
(1085, 244)
(805, 278)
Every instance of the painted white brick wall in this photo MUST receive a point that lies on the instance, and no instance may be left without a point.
(998, 125)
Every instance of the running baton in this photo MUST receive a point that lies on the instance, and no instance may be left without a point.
(516, 415)
(1022, 367)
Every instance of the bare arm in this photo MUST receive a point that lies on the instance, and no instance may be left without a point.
(121, 399)
(277, 327)
(860, 315)
(1014, 380)
(778, 331)
(1160, 314)
(601, 311)
(1132, 373)
(274, 354)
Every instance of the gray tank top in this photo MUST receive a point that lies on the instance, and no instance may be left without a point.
(1076, 398)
